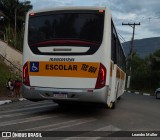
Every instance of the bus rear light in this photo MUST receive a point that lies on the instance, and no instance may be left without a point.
(26, 75)
(32, 14)
(101, 11)
(101, 79)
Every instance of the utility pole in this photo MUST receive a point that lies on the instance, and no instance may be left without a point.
(131, 50)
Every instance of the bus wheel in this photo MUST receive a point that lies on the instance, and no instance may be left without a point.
(112, 105)
(119, 98)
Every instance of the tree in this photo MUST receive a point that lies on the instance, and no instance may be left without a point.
(12, 17)
(10, 8)
(154, 61)
(139, 73)
(146, 72)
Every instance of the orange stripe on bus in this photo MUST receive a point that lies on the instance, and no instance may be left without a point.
(65, 69)
(111, 69)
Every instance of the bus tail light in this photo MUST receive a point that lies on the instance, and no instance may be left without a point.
(26, 75)
(101, 79)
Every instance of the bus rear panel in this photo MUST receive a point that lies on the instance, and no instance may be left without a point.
(60, 56)
(67, 55)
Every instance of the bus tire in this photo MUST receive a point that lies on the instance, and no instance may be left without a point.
(119, 98)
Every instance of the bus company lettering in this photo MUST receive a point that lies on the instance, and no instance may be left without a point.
(61, 67)
(88, 68)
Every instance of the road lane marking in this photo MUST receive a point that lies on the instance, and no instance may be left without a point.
(29, 108)
(21, 114)
(35, 104)
(19, 121)
(109, 128)
(74, 124)
(59, 125)
(12, 115)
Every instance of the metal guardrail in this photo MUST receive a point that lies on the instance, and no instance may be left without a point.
(12, 66)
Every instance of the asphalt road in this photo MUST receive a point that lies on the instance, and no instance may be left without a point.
(132, 113)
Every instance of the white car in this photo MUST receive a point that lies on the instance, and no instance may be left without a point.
(157, 93)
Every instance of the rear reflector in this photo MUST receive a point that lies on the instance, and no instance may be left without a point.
(90, 90)
(101, 79)
(26, 75)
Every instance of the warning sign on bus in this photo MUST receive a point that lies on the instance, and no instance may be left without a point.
(34, 66)
(64, 69)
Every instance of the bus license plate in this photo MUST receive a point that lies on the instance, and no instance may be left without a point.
(60, 94)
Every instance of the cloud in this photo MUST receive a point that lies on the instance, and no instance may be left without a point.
(128, 11)
(40, 4)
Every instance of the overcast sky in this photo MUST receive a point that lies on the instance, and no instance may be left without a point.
(147, 12)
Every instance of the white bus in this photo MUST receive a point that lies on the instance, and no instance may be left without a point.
(72, 54)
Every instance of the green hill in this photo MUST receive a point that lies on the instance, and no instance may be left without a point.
(143, 47)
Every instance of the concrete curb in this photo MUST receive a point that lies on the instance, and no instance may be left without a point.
(5, 102)
(146, 94)
(11, 101)
(138, 93)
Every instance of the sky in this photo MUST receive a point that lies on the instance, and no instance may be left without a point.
(147, 12)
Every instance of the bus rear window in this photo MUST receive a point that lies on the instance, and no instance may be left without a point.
(75, 26)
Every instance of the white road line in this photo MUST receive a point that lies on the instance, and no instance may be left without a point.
(108, 128)
(12, 115)
(82, 136)
(59, 124)
(24, 109)
(24, 120)
(74, 124)
(19, 114)
(42, 103)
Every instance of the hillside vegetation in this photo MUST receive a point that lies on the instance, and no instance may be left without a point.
(5, 74)
(11, 30)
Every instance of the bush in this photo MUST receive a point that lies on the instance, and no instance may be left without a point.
(5, 74)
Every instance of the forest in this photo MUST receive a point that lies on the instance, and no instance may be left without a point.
(145, 74)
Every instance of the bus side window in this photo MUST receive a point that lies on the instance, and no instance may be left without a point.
(113, 48)
(117, 52)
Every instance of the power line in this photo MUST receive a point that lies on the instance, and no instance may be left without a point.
(121, 37)
(122, 40)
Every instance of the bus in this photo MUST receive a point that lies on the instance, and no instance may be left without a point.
(73, 54)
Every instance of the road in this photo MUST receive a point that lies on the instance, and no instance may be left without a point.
(132, 113)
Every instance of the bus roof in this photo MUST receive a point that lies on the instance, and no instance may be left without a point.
(69, 8)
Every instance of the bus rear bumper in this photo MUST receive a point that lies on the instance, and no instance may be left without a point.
(56, 94)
